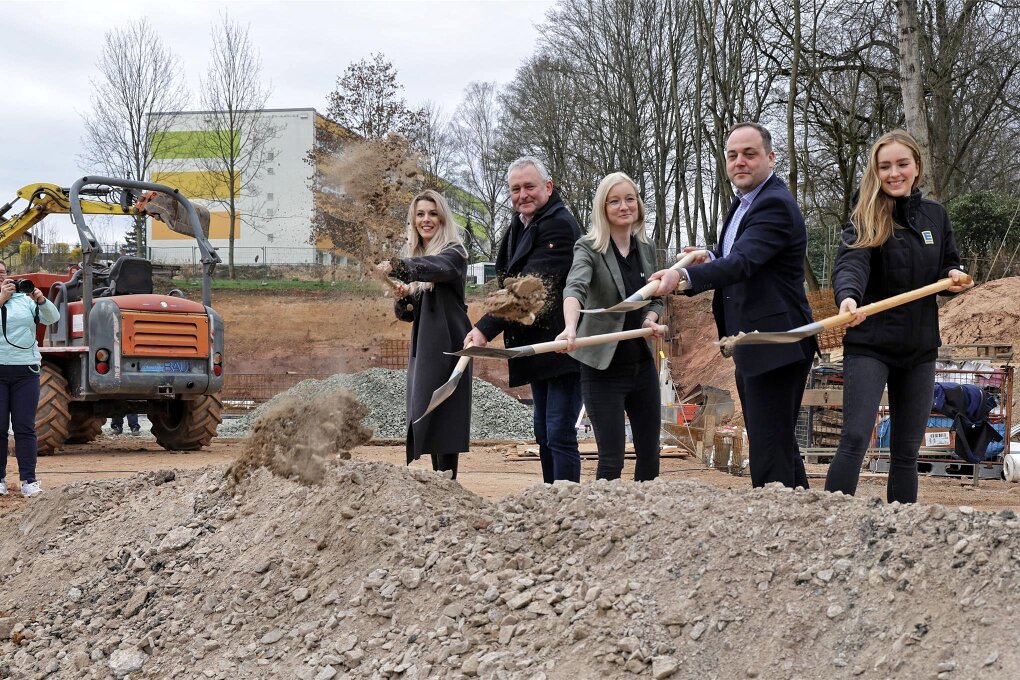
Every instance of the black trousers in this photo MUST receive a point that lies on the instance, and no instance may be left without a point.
(910, 390)
(633, 389)
(19, 399)
(771, 402)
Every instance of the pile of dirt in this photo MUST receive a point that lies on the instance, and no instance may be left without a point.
(520, 300)
(696, 356)
(985, 314)
(381, 571)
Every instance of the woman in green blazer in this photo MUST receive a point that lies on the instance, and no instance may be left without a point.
(612, 261)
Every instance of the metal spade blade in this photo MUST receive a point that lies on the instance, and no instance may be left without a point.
(444, 391)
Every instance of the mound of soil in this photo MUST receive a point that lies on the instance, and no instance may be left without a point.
(696, 359)
(988, 313)
(381, 571)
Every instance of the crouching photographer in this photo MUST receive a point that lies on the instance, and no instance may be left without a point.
(23, 306)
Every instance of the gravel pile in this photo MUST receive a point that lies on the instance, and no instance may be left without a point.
(494, 414)
(383, 572)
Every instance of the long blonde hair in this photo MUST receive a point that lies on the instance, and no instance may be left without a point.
(600, 227)
(873, 214)
(447, 236)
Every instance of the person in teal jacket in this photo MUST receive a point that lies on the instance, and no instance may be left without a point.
(20, 364)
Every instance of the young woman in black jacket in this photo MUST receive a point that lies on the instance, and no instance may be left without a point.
(896, 241)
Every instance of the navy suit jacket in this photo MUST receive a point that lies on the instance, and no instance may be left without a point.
(759, 286)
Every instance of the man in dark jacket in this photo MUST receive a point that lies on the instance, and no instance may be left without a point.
(540, 242)
(758, 278)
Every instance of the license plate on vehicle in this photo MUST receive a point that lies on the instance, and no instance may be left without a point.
(176, 366)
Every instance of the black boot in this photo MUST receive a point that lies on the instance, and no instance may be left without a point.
(444, 462)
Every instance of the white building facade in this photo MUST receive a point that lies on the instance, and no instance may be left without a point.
(275, 224)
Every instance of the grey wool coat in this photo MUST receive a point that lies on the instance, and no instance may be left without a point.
(595, 280)
(439, 322)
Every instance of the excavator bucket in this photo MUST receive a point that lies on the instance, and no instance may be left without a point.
(168, 211)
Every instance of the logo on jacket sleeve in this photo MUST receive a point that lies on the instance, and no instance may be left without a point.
(928, 240)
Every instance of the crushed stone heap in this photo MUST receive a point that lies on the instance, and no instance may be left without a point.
(494, 414)
(381, 571)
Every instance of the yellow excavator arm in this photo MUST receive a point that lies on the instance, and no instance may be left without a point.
(48, 199)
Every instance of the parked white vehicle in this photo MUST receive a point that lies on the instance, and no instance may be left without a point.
(480, 272)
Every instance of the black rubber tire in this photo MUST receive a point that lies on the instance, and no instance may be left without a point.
(84, 428)
(190, 425)
(53, 417)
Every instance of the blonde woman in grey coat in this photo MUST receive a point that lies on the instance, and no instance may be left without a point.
(613, 261)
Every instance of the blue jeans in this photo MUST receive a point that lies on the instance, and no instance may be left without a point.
(910, 397)
(557, 405)
(132, 419)
(19, 399)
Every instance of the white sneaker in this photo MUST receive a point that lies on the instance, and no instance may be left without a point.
(29, 489)
(3, 487)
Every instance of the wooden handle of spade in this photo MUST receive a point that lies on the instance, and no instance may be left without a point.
(894, 301)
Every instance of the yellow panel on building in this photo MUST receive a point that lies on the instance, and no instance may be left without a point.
(218, 228)
(197, 184)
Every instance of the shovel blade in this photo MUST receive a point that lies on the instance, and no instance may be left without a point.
(776, 338)
(625, 306)
(727, 344)
(487, 353)
(441, 394)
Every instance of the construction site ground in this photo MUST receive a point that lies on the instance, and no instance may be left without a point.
(485, 471)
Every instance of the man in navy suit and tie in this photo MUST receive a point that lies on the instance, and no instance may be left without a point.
(758, 278)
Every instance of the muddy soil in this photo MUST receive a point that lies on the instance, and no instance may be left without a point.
(520, 300)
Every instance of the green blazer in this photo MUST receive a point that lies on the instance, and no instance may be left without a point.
(595, 280)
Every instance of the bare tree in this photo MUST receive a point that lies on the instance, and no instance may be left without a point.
(238, 132)
(546, 108)
(912, 80)
(434, 141)
(366, 101)
(971, 77)
(138, 77)
(477, 129)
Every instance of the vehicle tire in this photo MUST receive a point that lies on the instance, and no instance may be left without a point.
(84, 428)
(53, 417)
(187, 425)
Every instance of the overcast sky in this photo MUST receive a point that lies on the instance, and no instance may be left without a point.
(50, 52)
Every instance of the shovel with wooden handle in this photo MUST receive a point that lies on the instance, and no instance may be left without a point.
(555, 345)
(642, 296)
(444, 391)
(755, 338)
